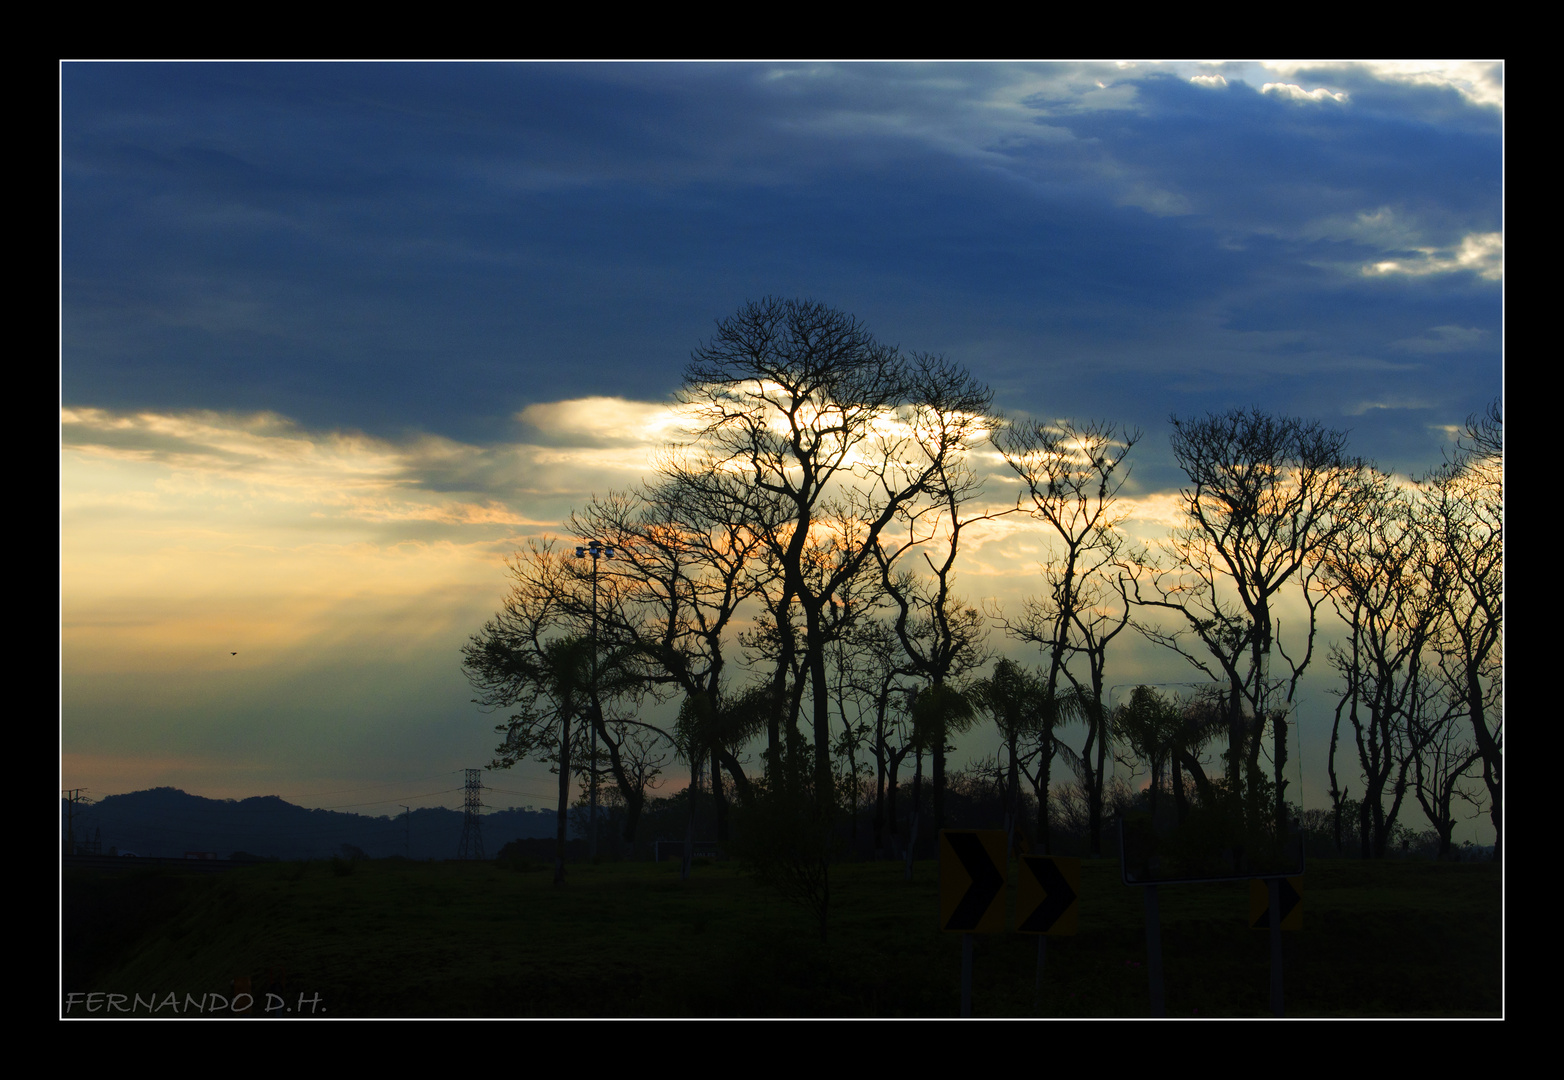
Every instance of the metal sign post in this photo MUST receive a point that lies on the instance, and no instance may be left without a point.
(1276, 904)
(1047, 902)
(1274, 898)
(1275, 889)
(966, 976)
(1154, 951)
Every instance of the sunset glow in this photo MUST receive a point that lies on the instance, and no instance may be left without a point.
(339, 340)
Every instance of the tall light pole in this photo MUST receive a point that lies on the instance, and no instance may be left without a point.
(595, 550)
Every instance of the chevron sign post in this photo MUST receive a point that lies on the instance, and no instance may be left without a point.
(972, 865)
(1276, 904)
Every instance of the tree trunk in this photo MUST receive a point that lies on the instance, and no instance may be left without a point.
(825, 790)
(719, 797)
(1279, 733)
(1096, 783)
(1488, 746)
(564, 797)
(939, 784)
(689, 825)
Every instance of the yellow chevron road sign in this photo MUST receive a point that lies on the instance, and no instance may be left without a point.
(1048, 897)
(972, 865)
(1290, 891)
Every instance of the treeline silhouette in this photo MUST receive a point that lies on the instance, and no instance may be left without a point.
(788, 577)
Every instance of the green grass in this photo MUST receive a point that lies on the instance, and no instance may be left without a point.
(452, 939)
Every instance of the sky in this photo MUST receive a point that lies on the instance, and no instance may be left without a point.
(335, 339)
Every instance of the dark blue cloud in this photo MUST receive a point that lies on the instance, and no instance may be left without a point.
(432, 247)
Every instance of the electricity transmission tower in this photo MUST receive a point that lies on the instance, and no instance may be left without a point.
(472, 826)
(73, 797)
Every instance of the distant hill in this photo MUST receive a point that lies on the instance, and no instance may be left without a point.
(168, 822)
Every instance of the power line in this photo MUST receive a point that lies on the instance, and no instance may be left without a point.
(378, 784)
(390, 802)
(543, 795)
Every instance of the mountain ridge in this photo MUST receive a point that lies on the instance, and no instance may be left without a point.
(170, 822)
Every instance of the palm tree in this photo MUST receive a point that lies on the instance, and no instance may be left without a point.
(562, 676)
(706, 731)
(552, 684)
(1199, 723)
(1167, 736)
(1150, 726)
(1028, 719)
(1053, 712)
(938, 713)
(1012, 696)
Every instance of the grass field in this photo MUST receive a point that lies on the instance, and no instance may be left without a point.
(391, 938)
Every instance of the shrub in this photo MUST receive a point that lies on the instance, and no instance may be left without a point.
(785, 837)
